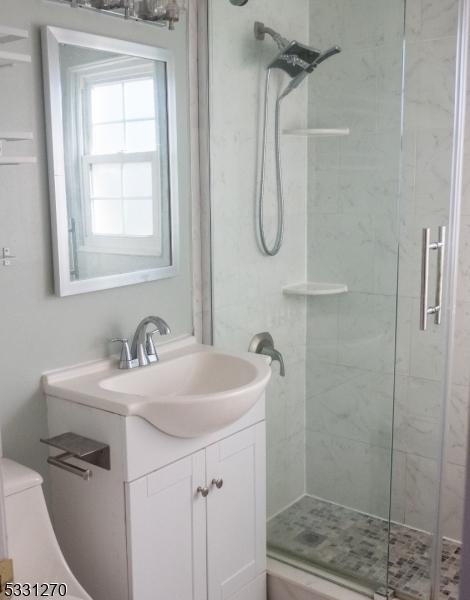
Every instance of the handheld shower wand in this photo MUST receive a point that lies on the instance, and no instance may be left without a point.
(298, 61)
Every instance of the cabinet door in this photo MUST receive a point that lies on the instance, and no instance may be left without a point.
(166, 524)
(236, 513)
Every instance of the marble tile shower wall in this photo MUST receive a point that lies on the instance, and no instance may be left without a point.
(352, 232)
(248, 286)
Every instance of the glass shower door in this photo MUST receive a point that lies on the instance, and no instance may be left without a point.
(353, 238)
(431, 390)
(330, 419)
(354, 429)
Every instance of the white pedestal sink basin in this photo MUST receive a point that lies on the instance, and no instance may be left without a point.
(194, 389)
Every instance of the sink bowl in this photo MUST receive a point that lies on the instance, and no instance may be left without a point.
(194, 394)
(193, 391)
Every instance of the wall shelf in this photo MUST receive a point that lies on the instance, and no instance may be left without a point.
(315, 288)
(8, 35)
(10, 58)
(16, 136)
(17, 160)
(317, 132)
(12, 34)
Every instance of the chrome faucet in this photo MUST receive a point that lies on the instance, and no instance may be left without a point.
(143, 351)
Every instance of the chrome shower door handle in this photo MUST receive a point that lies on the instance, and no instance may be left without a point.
(441, 250)
(427, 246)
(423, 317)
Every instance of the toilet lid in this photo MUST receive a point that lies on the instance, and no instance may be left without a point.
(17, 478)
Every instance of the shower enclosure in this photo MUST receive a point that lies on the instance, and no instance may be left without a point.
(367, 430)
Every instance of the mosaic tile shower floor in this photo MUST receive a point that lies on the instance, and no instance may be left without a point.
(354, 545)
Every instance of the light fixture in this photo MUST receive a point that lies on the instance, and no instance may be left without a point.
(160, 12)
(105, 4)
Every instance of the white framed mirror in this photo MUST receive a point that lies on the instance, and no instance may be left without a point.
(113, 161)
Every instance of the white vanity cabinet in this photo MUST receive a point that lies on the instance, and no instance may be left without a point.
(185, 545)
(166, 532)
(142, 531)
(236, 513)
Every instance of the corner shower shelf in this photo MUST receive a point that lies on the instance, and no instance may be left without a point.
(315, 288)
(12, 34)
(317, 132)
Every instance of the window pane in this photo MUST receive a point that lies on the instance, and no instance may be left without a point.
(140, 136)
(106, 103)
(107, 217)
(139, 99)
(137, 180)
(138, 216)
(108, 139)
(106, 180)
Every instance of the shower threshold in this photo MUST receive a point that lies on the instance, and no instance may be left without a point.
(351, 548)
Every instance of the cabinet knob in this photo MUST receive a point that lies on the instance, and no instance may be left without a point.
(218, 483)
(203, 491)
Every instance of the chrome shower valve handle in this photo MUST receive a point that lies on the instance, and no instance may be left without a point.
(263, 343)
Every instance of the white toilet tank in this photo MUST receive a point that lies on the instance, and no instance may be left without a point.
(37, 557)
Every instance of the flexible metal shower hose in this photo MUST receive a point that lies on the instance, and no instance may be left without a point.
(279, 181)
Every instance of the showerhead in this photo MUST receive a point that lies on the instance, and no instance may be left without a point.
(293, 57)
(296, 59)
(294, 84)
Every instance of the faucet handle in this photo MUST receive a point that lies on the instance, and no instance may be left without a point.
(150, 346)
(125, 362)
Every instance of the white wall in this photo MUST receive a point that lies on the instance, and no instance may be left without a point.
(39, 331)
(247, 285)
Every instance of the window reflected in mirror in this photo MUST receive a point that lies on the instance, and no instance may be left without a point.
(116, 138)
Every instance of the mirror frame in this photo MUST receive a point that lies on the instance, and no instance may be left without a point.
(52, 37)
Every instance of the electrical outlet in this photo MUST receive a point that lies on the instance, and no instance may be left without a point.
(6, 575)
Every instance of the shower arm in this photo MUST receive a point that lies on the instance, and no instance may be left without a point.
(260, 34)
